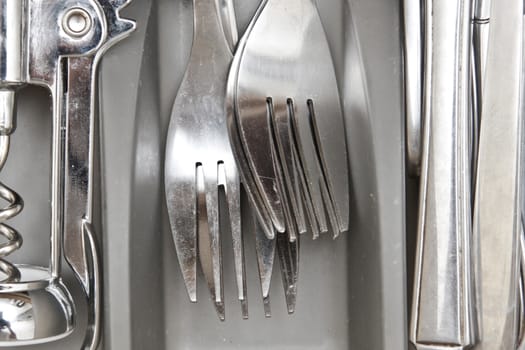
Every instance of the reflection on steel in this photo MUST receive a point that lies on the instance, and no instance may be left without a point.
(199, 158)
(413, 53)
(286, 123)
(497, 197)
(443, 306)
(62, 58)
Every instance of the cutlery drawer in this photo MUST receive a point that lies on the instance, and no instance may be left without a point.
(352, 292)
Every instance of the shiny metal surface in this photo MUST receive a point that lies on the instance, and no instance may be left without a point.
(443, 309)
(351, 294)
(11, 77)
(521, 285)
(76, 22)
(229, 23)
(265, 250)
(12, 58)
(521, 289)
(63, 58)
(16, 204)
(480, 34)
(36, 311)
(496, 207)
(199, 160)
(286, 123)
(413, 66)
(77, 109)
(135, 252)
(288, 254)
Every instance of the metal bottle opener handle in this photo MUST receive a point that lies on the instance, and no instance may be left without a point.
(58, 44)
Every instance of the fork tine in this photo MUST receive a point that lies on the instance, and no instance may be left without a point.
(288, 254)
(279, 119)
(291, 225)
(247, 178)
(303, 190)
(299, 192)
(265, 249)
(327, 191)
(209, 233)
(229, 179)
(332, 158)
(260, 162)
(316, 226)
(309, 166)
(182, 220)
(317, 174)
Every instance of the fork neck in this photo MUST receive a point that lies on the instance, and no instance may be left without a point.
(214, 20)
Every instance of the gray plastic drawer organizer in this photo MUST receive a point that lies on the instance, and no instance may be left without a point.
(351, 292)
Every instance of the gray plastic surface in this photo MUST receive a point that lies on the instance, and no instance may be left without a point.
(352, 292)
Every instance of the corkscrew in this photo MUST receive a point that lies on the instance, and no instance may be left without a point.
(55, 44)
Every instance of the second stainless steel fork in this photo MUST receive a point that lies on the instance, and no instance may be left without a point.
(199, 158)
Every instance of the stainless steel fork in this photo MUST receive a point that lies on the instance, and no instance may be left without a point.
(286, 122)
(199, 157)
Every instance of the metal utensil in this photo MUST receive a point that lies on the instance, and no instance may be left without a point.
(413, 53)
(265, 250)
(288, 254)
(199, 159)
(286, 122)
(521, 289)
(496, 207)
(480, 34)
(443, 309)
(480, 31)
(57, 45)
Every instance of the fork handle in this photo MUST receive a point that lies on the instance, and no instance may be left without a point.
(443, 305)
